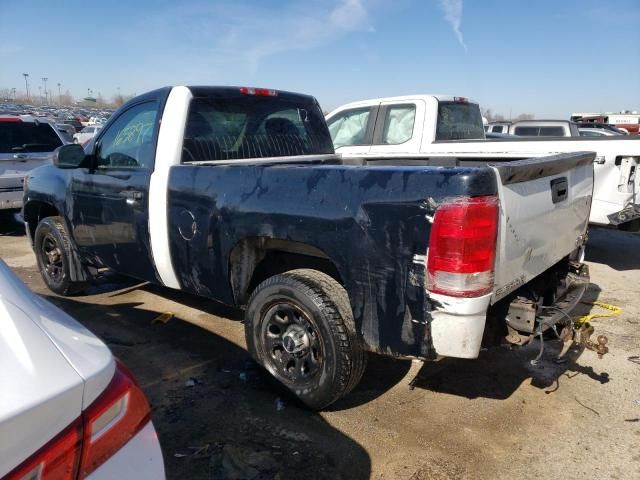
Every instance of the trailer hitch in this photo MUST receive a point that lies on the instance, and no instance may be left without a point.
(584, 338)
(581, 330)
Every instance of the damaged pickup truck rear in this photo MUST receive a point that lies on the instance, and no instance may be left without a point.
(236, 194)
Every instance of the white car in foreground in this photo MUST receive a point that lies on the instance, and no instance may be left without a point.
(68, 409)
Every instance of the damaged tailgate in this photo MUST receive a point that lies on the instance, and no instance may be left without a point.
(545, 206)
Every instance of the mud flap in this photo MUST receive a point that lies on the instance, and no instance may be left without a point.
(77, 271)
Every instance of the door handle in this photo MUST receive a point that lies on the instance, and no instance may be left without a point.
(559, 189)
(132, 196)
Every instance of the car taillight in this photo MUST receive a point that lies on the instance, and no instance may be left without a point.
(10, 119)
(462, 247)
(259, 92)
(106, 425)
(112, 420)
(58, 459)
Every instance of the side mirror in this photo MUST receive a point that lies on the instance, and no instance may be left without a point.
(68, 156)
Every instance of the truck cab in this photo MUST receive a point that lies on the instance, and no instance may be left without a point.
(497, 127)
(443, 126)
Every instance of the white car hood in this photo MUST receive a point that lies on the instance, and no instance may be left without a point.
(51, 368)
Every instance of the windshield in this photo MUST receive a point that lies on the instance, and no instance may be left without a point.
(254, 127)
(21, 137)
(459, 121)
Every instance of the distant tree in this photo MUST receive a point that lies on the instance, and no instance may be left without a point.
(100, 101)
(67, 99)
(492, 117)
(524, 116)
(117, 100)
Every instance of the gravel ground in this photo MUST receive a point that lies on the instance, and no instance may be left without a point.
(496, 417)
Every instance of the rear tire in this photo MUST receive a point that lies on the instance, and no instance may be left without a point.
(53, 252)
(299, 326)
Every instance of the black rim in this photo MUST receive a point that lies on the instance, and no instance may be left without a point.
(292, 344)
(51, 256)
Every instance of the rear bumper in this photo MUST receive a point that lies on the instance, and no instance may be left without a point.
(140, 458)
(457, 325)
(559, 311)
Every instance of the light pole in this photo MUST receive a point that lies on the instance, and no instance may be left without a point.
(13, 90)
(26, 84)
(59, 94)
(44, 80)
(40, 93)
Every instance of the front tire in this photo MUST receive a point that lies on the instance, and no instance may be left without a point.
(299, 326)
(53, 253)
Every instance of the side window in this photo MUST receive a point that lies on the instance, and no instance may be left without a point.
(551, 131)
(398, 124)
(527, 131)
(349, 127)
(127, 143)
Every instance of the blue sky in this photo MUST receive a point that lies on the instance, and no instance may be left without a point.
(545, 57)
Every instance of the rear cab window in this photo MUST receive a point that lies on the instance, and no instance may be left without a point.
(551, 131)
(459, 121)
(25, 137)
(527, 131)
(228, 125)
(533, 131)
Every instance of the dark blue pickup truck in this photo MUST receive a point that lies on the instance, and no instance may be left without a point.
(236, 194)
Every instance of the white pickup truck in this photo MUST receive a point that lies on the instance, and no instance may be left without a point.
(434, 127)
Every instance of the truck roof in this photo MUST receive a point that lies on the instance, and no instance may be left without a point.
(227, 91)
(403, 98)
(547, 122)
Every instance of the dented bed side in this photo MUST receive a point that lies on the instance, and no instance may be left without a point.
(369, 223)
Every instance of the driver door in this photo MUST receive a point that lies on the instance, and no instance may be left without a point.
(110, 200)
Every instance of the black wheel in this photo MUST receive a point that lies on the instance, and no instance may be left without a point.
(53, 253)
(299, 326)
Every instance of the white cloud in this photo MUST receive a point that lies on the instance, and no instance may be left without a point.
(296, 30)
(453, 14)
(251, 35)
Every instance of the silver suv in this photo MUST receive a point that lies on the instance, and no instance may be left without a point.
(26, 142)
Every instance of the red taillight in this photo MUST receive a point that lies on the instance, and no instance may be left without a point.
(58, 459)
(112, 420)
(460, 99)
(106, 425)
(259, 92)
(462, 247)
(10, 119)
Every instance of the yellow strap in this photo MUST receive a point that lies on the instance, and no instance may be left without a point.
(614, 311)
(163, 317)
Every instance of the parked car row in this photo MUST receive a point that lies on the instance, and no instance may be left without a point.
(77, 116)
(553, 128)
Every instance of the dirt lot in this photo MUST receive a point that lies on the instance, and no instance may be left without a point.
(496, 417)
